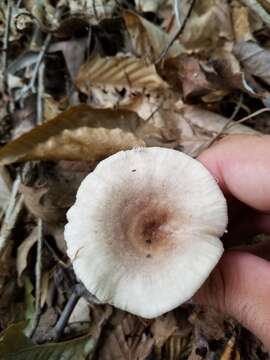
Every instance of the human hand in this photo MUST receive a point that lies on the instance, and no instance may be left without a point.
(240, 284)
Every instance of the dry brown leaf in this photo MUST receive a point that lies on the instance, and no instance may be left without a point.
(197, 126)
(208, 26)
(230, 352)
(177, 348)
(162, 329)
(126, 341)
(80, 133)
(148, 40)
(42, 197)
(241, 23)
(120, 72)
(254, 58)
(22, 253)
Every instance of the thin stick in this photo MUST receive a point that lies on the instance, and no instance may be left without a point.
(228, 122)
(31, 85)
(11, 214)
(5, 44)
(177, 11)
(38, 273)
(40, 93)
(224, 128)
(177, 34)
(256, 113)
(59, 328)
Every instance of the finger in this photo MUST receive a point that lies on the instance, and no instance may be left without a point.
(241, 165)
(240, 287)
(261, 249)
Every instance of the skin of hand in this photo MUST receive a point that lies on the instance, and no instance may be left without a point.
(240, 284)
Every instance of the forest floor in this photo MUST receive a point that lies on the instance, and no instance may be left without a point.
(79, 81)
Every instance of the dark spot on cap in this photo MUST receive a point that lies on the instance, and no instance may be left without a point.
(133, 170)
(148, 256)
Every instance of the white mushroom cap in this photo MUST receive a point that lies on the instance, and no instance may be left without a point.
(144, 231)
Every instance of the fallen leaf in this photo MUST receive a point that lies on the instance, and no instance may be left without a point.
(230, 352)
(126, 340)
(41, 196)
(163, 327)
(80, 133)
(22, 253)
(148, 40)
(208, 27)
(255, 59)
(177, 348)
(241, 23)
(24, 349)
(121, 72)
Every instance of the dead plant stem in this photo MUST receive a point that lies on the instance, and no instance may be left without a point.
(6, 44)
(176, 35)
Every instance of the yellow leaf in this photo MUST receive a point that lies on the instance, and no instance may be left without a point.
(80, 133)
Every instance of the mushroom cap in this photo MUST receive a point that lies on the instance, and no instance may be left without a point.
(143, 234)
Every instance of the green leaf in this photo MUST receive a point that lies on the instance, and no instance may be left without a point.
(15, 345)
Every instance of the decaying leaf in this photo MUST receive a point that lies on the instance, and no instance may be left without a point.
(42, 199)
(126, 341)
(255, 59)
(80, 133)
(208, 27)
(148, 40)
(120, 72)
(241, 23)
(24, 349)
(23, 251)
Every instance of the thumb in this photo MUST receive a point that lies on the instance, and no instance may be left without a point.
(240, 287)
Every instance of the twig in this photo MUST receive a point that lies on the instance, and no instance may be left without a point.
(259, 10)
(177, 34)
(224, 128)
(11, 214)
(228, 122)
(31, 85)
(256, 113)
(55, 256)
(40, 93)
(38, 269)
(177, 12)
(38, 273)
(59, 328)
(5, 44)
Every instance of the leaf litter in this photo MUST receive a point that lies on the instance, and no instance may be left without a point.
(81, 80)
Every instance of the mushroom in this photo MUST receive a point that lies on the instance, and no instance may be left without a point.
(143, 234)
